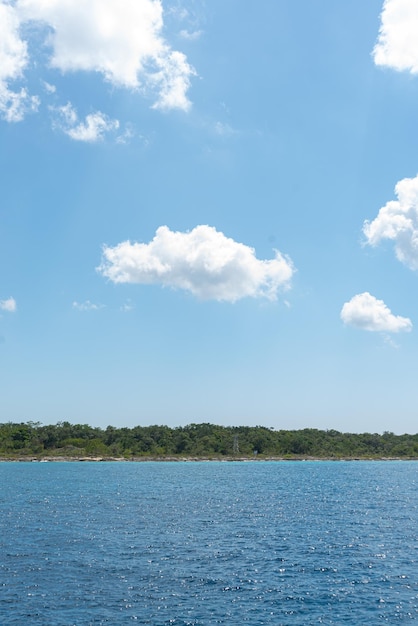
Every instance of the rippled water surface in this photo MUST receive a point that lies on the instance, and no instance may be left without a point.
(208, 543)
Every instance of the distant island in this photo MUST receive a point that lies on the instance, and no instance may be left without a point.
(65, 441)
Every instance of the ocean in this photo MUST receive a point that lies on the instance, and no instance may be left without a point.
(202, 543)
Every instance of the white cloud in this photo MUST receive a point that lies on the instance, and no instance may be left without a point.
(190, 35)
(13, 61)
(13, 51)
(172, 80)
(67, 113)
(224, 130)
(126, 136)
(48, 87)
(8, 305)
(397, 221)
(397, 45)
(92, 129)
(366, 312)
(87, 306)
(123, 41)
(202, 261)
(127, 307)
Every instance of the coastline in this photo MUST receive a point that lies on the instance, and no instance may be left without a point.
(188, 459)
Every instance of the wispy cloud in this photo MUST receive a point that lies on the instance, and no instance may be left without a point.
(48, 87)
(87, 306)
(8, 305)
(190, 35)
(397, 45)
(366, 312)
(127, 306)
(202, 261)
(397, 221)
(224, 130)
(127, 135)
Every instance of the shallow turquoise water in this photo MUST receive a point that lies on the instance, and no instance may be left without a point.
(209, 543)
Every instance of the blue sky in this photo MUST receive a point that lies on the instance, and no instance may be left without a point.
(209, 213)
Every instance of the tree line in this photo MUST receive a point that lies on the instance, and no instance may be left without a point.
(197, 440)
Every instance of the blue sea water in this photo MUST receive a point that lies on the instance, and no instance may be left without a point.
(209, 543)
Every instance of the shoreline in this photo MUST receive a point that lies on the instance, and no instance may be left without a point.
(187, 459)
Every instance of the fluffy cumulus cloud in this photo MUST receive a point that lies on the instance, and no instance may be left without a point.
(397, 221)
(202, 261)
(122, 41)
(92, 129)
(8, 305)
(366, 312)
(397, 45)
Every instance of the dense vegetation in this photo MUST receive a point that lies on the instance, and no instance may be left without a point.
(197, 440)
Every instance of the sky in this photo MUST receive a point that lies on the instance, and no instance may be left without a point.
(209, 213)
